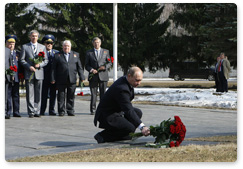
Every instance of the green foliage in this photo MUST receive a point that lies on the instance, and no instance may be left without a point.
(212, 28)
(19, 21)
(142, 39)
(139, 34)
(79, 23)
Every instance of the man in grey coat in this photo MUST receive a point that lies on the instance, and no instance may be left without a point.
(97, 63)
(33, 87)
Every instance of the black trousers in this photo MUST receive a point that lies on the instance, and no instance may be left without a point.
(216, 82)
(13, 98)
(223, 83)
(117, 127)
(66, 93)
(48, 89)
(93, 89)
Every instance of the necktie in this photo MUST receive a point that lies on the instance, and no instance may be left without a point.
(219, 66)
(66, 55)
(34, 47)
(97, 54)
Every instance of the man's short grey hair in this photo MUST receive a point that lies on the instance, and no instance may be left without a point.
(132, 70)
(66, 42)
(34, 31)
(96, 38)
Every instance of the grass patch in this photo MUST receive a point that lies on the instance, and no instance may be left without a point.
(222, 139)
(191, 153)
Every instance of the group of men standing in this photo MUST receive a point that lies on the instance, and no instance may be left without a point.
(56, 71)
(222, 70)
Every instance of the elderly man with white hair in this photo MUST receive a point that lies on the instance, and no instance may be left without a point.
(66, 65)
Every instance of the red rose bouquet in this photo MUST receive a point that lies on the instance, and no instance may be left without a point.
(37, 60)
(108, 61)
(11, 70)
(170, 133)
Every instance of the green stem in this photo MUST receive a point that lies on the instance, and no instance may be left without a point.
(31, 76)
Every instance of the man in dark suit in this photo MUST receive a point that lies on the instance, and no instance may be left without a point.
(48, 89)
(65, 67)
(30, 51)
(97, 64)
(7, 79)
(13, 88)
(115, 112)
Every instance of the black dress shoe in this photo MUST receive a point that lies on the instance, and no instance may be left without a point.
(42, 114)
(92, 113)
(99, 138)
(37, 115)
(52, 114)
(7, 116)
(16, 115)
(71, 114)
(31, 116)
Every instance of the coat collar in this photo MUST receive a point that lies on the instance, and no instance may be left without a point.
(71, 55)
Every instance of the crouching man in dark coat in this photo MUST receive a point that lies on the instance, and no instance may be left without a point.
(115, 112)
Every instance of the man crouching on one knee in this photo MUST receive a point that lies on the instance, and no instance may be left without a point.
(115, 112)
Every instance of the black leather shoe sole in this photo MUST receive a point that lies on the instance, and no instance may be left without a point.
(37, 115)
(7, 117)
(99, 138)
(16, 115)
(31, 116)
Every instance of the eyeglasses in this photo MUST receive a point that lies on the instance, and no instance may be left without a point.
(49, 43)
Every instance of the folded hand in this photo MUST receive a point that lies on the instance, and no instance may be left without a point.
(32, 69)
(145, 131)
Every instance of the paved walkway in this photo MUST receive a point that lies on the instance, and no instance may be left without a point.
(53, 134)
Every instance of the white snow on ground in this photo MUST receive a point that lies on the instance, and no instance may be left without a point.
(181, 97)
(188, 97)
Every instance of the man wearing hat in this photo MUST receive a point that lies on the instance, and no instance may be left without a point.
(13, 87)
(33, 85)
(48, 89)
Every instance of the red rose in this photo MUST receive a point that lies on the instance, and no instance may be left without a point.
(177, 118)
(172, 144)
(112, 59)
(172, 129)
(177, 143)
(109, 59)
(41, 54)
(177, 129)
(15, 68)
(80, 94)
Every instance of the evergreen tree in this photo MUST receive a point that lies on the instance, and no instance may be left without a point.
(19, 21)
(139, 35)
(212, 29)
(79, 23)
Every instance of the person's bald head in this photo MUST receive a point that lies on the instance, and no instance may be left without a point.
(134, 76)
